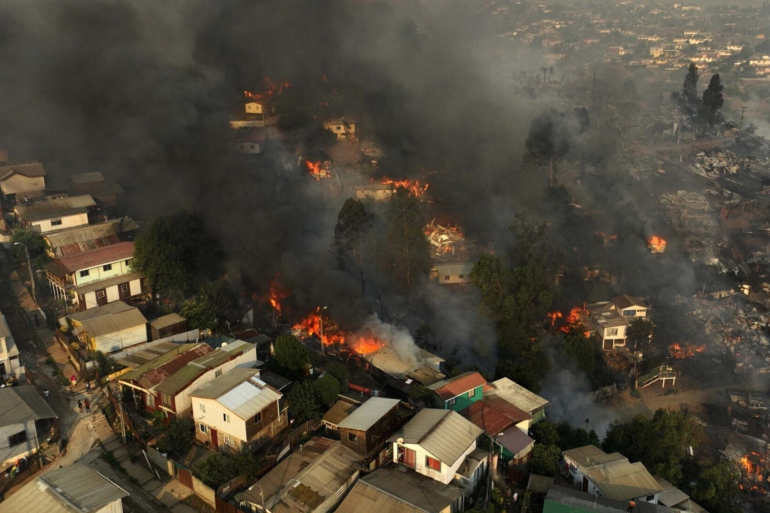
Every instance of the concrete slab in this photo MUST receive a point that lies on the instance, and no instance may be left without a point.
(112, 445)
(121, 454)
(137, 472)
(166, 497)
(152, 486)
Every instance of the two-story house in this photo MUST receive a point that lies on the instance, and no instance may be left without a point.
(96, 277)
(173, 394)
(368, 427)
(611, 475)
(109, 328)
(519, 397)
(609, 320)
(237, 410)
(55, 214)
(459, 392)
(92, 236)
(505, 425)
(22, 180)
(9, 353)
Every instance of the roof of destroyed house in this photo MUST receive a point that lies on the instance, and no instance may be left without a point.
(566, 500)
(159, 374)
(626, 301)
(443, 433)
(92, 258)
(58, 207)
(190, 372)
(109, 318)
(22, 404)
(167, 320)
(306, 478)
(395, 488)
(274, 380)
(515, 440)
(28, 169)
(368, 414)
(149, 353)
(89, 237)
(517, 395)
(75, 488)
(452, 387)
(94, 176)
(390, 362)
(464, 268)
(240, 391)
(613, 474)
(339, 412)
(494, 414)
(103, 284)
(164, 352)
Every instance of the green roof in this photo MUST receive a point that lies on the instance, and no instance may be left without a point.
(157, 362)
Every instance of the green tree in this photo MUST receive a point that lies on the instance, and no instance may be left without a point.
(178, 436)
(420, 392)
(220, 468)
(303, 401)
(341, 372)
(717, 487)
(407, 246)
(328, 389)
(548, 140)
(223, 301)
(690, 88)
(353, 224)
(177, 253)
(290, 353)
(545, 433)
(545, 460)
(579, 349)
(199, 313)
(36, 245)
(520, 372)
(639, 332)
(713, 99)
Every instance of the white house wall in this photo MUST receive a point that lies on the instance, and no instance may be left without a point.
(213, 418)
(97, 273)
(112, 507)
(447, 473)
(135, 287)
(121, 339)
(11, 454)
(44, 225)
(18, 184)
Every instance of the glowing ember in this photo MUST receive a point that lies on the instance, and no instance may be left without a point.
(553, 316)
(656, 244)
(273, 88)
(315, 170)
(686, 350)
(413, 186)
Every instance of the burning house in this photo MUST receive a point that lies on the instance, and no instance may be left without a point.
(607, 320)
(343, 128)
(445, 240)
(657, 245)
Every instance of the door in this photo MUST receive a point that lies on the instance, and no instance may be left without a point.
(410, 457)
(185, 477)
(123, 290)
(101, 297)
(585, 484)
(214, 439)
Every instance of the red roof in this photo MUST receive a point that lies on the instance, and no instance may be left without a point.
(152, 377)
(95, 257)
(494, 415)
(460, 384)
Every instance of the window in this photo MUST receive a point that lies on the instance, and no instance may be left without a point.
(472, 393)
(149, 400)
(128, 262)
(629, 313)
(258, 417)
(226, 417)
(202, 407)
(612, 332)
(100, 294)
(55, 222)
(650, 498)
(452, 401)
(432, 464)
(353, 438)
(252, 146)
(107, 267)
(446, 276)
(203, 428)
(339, 128)
(218, 373)
(166, 399)
(123, 287)
(461, 276)
(229, 440)
(17, 439)
(85, 273)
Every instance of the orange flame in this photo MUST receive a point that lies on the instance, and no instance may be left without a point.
(277, 294)
(413, 186)
(315, 170)
(571, 321)
(366, 345)
(553, 316)
(361, 344)
(657, 244)
(272, 89)
(686, 350)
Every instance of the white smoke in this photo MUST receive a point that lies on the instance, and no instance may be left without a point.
(397, 337)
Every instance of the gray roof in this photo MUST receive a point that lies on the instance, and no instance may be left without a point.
(92, 236)
(166, 321)
(515, 440)
(22, 404)
(517, 395)
(109, 318)
(103, 284)
(55, 208)
(397, 489)
(29, 169)
(368, 414)
(5, 331)
(443, 433)
(82, 487)
(240, 391)
(463, 268)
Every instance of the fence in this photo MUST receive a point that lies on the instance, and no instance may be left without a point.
(204, 492)
(303, 430)
(161, 461)
(222, 506)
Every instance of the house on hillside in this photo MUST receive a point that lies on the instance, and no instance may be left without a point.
(559, 499)
(9, 353)
(167, 325)
(459, 392)
(519, 397)
(337, 413)
(109, 328)
(674, 498)
(93, 183)
(505, 424)
(367, 428)
(22, 180)
(375, 191)
(55, 214)
(609, 320)
(403, 373)
(344, 128)
(237, 411)
(26, 419)
(75, 488)
(611, 475)
(312, 479)
(96, 277)
(452, 273)
(92, 236)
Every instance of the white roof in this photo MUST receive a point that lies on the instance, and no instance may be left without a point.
(367, 415)
(443, 433)
(250, 398)
(517, 395)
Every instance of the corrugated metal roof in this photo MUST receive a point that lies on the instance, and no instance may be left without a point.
(338, 412)
(515, 440)
(103, 284)
(517, 395)
(29, 169)
(591, 455)
(169, 352)
(109, 318)
(369, 413)
(89, 237)
(58, 207)
(443, 433)
(567, 500)
(160, 374)
(392, 363)
(166, 321)
(395, 489)
(21, 404)
(463, 268)
(671, 495)
(240, 391)
(82, 486)
(96, 257)
(452, 387)
(626, 301)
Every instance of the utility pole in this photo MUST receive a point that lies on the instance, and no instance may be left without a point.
(740, 126)
(593, 86)
(321, 327)
(122, 419)
(29, 268)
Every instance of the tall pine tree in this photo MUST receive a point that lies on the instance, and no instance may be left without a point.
(713, 99)
(408, 248)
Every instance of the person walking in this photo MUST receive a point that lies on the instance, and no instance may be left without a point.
(87, 405)
(73, 381)
(88, 387)
(80, 405)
